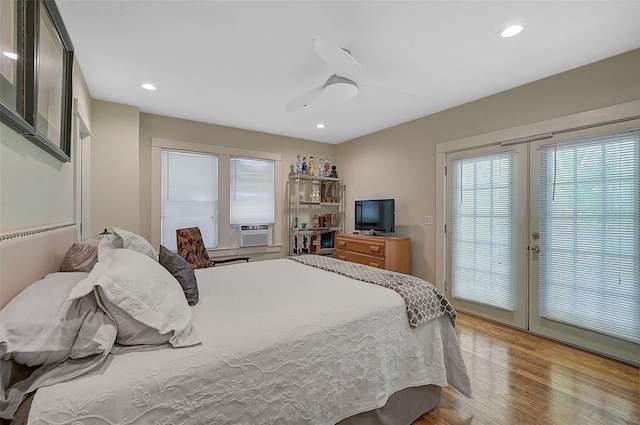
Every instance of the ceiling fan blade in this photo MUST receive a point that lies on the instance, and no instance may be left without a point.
(305, 98)
(382, 95)
(339, 61)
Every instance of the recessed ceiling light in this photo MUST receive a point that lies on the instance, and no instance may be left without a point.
(320, 126)
(511, 31)
(148, 86)
(11, 55)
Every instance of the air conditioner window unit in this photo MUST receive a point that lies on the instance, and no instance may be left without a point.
(255, 235)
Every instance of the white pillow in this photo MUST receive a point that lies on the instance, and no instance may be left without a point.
(41, 326)
(149, 295)
(125, 239)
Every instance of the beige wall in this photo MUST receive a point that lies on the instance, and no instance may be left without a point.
(156, 126)
(399, 162)
(115, 163)
(36, 188)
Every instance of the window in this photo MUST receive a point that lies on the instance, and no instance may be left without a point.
(589, 272)
(216, 188)
(189, 196)
(252, 191)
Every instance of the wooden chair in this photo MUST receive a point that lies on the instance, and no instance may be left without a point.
(192, 249)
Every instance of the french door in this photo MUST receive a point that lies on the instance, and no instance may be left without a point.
(544, 236)
(585, 228)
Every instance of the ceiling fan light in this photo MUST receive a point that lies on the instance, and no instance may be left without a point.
(341, 91)
(511, 31)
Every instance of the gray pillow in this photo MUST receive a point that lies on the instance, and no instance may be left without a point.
(183, 272)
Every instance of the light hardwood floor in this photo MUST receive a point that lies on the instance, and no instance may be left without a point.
(519, 378)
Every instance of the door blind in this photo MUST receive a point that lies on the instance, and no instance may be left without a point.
(589, 225)
(482, 229)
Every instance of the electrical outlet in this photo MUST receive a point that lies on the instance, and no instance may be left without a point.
(428, 220)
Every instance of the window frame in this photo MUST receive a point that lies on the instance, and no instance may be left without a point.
(228, 235)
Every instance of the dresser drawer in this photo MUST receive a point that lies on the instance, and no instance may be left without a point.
(372, 247)
(354, 257)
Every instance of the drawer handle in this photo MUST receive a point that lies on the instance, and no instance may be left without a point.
(342, 243)
(374, 265)
(373, 248)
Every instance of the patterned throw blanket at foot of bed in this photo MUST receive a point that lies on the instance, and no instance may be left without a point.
(423, 300)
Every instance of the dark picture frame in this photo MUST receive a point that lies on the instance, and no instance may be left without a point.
(38, 101)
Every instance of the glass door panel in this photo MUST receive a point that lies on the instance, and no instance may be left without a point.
(486, 233)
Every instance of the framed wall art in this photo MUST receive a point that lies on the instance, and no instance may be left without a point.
(36, 74)
(9, 34)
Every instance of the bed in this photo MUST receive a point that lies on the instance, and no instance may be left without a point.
(268, 342)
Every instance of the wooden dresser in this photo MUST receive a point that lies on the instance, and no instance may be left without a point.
(386, 252)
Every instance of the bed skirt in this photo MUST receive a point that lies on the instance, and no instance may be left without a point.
(402, 408)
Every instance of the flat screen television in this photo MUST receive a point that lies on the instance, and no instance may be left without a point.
(375, 216)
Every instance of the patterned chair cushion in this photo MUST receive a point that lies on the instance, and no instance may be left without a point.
(191, 247)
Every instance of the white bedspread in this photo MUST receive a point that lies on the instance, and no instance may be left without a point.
(283, 343)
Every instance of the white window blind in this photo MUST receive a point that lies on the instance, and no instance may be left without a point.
(589, 255)
(252, 192)
(481, 229)
(189, 196)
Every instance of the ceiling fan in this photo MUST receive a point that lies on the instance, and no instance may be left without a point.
(343, 84)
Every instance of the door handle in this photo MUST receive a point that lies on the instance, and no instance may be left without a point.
(535, 249)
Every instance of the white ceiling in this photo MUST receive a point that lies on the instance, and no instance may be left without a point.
(238, 63)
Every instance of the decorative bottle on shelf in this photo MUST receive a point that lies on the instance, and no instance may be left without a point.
(315, 196)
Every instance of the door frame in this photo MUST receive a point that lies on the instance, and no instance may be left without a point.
(605, 120)
(82, 171)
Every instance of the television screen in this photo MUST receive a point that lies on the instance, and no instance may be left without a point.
(376, 215)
